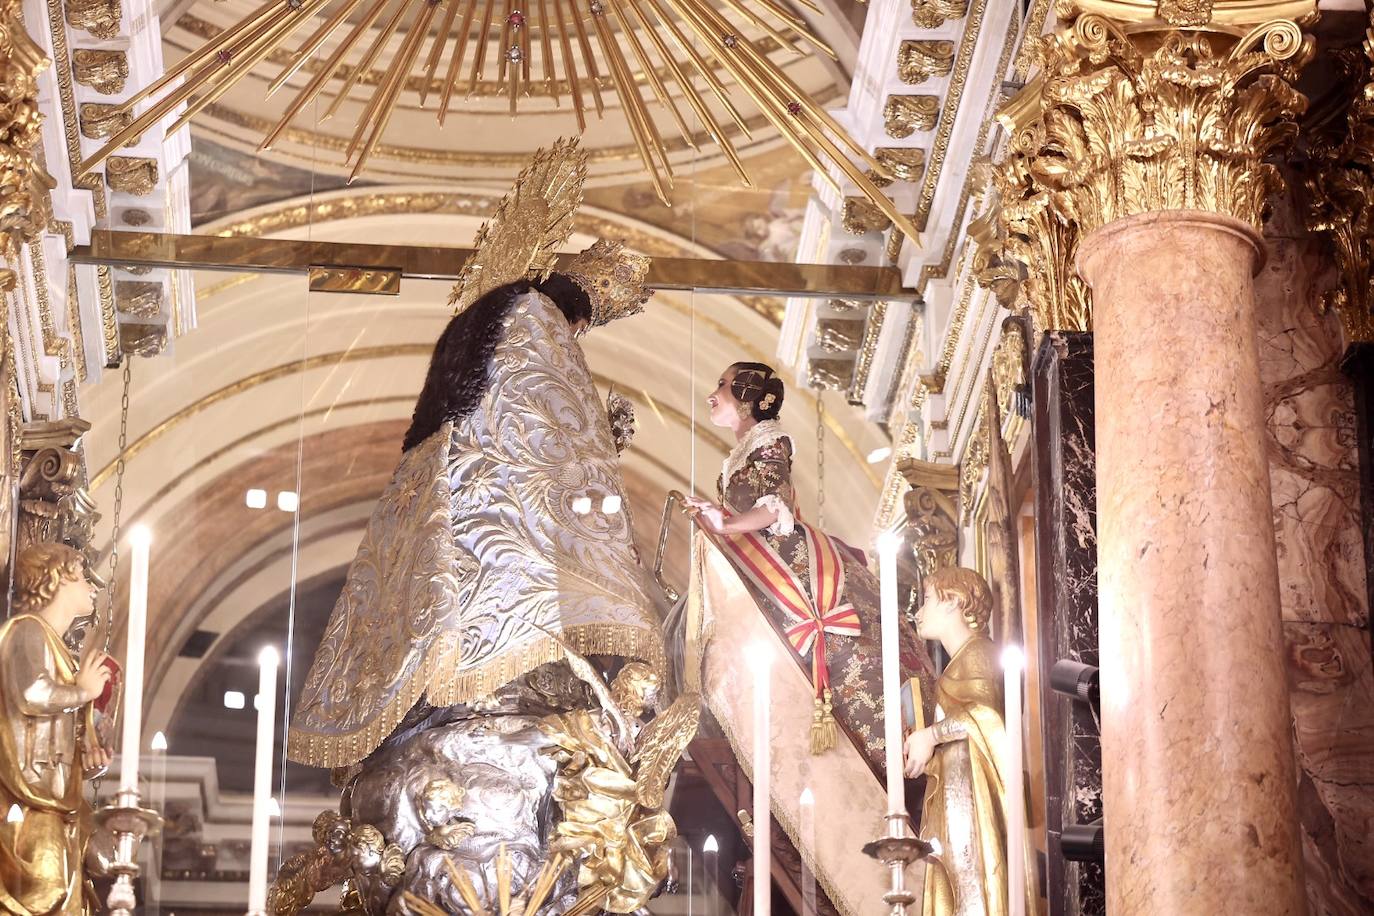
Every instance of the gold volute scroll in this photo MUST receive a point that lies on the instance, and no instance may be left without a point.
(1127, 119)
(25, 203)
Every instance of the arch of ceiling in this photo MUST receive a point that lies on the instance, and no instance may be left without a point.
(417, 148)
(285, 391)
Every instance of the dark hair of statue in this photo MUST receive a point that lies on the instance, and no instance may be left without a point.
(461, 365)
(752, 384)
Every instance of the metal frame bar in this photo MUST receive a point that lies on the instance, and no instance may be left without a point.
(244, 254)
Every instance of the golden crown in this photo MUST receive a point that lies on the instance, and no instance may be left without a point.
(613, 280)
(530, 224)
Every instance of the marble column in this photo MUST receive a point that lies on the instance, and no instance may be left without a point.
(1066, 595)
(1199, 784)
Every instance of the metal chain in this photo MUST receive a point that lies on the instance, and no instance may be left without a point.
(118, 501)
(820, 460)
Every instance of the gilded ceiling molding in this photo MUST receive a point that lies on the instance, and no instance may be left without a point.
(931, 14)
(904, 163)
(920, 59)
(868, 348)
(903, 115)
(103, 71)
(1339, 178)
(99, 120)
(99, 17)
(859, 216)
(1122, 121)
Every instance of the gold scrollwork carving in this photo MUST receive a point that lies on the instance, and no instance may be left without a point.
(142, 339)
(99, 120)
(25, 204)
(99, 17)
(836, 335)
(860, 216)
(1184, 12)
(903, 115)
(135, 175)
(830, 374)
(1339, 179)
(931, 14)
(904, 163)
(103, 71)
(1119, 124)
(139, 298)
(920, 59)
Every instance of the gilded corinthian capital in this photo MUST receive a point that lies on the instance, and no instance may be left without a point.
(1126, 118)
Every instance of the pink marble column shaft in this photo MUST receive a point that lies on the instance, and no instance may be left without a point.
(1197, 751)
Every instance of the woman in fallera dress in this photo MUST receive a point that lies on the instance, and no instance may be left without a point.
(814, 590)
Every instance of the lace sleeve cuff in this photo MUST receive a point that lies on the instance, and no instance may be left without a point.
(785, 522)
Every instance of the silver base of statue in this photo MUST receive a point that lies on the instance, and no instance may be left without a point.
(129, 823)
(898, 848)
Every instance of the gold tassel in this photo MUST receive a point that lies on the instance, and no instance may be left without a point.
(823, 725)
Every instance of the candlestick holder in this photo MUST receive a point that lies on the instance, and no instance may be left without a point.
(898, 848)
(130, 823)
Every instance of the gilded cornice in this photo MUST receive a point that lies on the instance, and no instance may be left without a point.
(1338, 175)
(1242, 14)
(920, 59)
(111, 68)
(868, 348)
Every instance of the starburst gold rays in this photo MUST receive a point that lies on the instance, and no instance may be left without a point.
(666, 62)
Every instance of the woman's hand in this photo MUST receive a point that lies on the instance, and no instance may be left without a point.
(920, 747)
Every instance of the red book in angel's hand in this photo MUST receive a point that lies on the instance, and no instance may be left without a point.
(111, 690)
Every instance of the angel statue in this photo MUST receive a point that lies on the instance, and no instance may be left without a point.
(477, 573)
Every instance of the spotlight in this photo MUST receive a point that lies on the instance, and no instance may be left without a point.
(1078, 680)
(610, 505)
(234, 699)
(288, 501)
(1083, 842)
(255, 499)
(582, 505)
(880, 454)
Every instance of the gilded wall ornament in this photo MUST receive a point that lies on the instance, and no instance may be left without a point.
(142, 339)
(1184, 12)
(860, 217)
(903, 115)
(835, 335)
(100, 120)
(103, 71)
(99, 17)
(931, 14)
(25, 202)
(135, 175)
(1339, 179)
(920, 59)
(1009, 364)
(139, 298)
(830, 374)
(904, 163)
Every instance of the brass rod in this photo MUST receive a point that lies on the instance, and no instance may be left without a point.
(456, 61)
(479, 57)
(440, 40)
(570, 66)
(320, 79)
(588, 58)
(317, 38)
(369, 57)
(243, 254)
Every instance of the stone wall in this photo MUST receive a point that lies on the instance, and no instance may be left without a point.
(1313, 466)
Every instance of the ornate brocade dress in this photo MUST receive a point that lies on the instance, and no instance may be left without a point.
(758, 472)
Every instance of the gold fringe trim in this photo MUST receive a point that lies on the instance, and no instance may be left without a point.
(823, 725)
(439, 679)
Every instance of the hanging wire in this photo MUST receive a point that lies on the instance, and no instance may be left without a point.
(118, 501)
(820, 460)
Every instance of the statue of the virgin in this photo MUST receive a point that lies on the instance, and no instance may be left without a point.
(497, 553)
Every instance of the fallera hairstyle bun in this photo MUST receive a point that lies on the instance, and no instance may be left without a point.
(757, 385)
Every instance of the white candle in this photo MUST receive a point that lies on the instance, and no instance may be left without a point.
(808, 838)
(1012, 664)
(262, 781)
(888, 543)
(710, 864)
(763, 813)
(140, 540)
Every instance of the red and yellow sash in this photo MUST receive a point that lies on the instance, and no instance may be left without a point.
(812, 617)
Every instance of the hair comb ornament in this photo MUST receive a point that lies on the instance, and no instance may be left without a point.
(533, 220)
(613, 280)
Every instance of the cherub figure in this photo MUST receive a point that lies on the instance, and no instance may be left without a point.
(49, 742)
